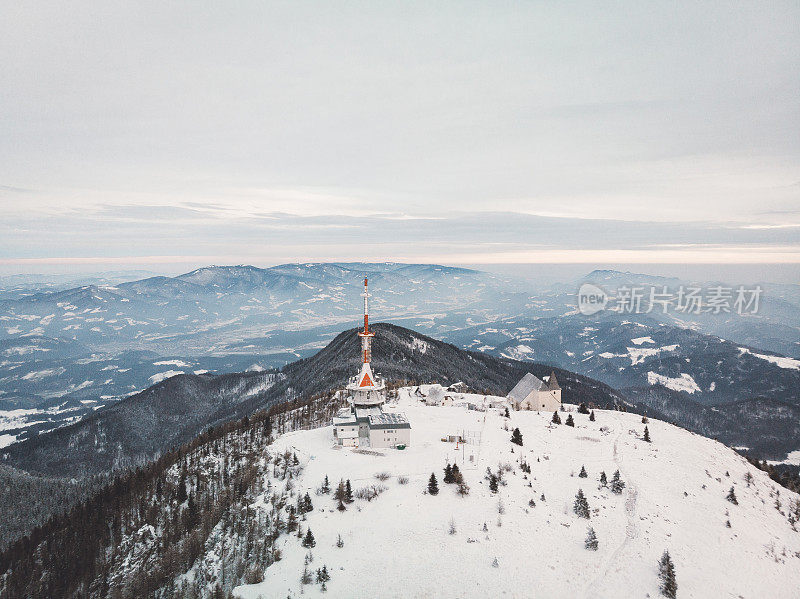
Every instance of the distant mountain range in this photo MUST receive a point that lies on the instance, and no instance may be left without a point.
(66, 353)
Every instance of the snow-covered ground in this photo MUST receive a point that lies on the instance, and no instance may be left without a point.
(398, 545)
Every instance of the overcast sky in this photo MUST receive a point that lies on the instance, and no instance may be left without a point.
(161, 133)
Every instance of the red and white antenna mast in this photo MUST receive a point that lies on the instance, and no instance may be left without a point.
(366, 335)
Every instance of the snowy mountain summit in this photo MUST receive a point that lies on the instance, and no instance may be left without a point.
(519, 523)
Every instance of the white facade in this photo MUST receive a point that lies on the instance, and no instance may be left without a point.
(389, 437)
(532, 393)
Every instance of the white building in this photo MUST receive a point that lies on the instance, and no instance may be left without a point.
(533, 393)
(364, 423)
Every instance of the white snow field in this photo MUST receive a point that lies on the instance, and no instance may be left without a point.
(398, 545)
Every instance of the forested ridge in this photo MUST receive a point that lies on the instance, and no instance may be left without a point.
(134, 536)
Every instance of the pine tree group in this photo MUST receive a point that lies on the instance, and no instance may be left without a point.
(666, 573)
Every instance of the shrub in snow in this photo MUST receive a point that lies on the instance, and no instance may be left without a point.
(581, 506)
(516, 437)
(591, 416)
(495, 563)
(732, 497)
(666, 573)
(341, 507)
(582, 473)
(617, 484)
(583, 409)
(452, 529)
(556, 418)
(591, 540)
(532, 503)
(433, 486)
(339, 541)
(463, 487)
(570, 421)
(371, 492)
(383, 476)
(644, 419)
(402, 480)
(306, 578)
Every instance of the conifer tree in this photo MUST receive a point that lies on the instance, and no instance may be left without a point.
(666, 573)
(291, 521)
(646, 434)
(341, 507)
(448, 474)
(433, 486)
(456, 473)
(732, 497)
(516, 437)
(493, 484)
(583, 409)
(182, 494)
(306, 505)
(591, 540)
(556, 418)
(507, 414)
(339, 493)
(591, 416)
(603, 479)
(308, 540)
(582, 473)
(581, 506)
(348, 492)
(570, 421)
(326, 487)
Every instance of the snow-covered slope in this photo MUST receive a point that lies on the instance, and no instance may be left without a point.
(399, 544)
